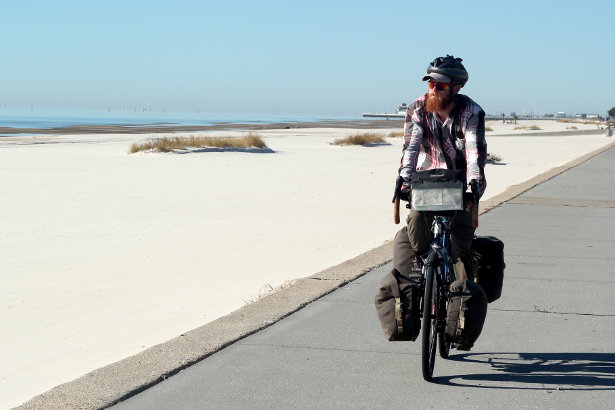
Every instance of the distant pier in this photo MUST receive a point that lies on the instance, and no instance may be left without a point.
(387, 116)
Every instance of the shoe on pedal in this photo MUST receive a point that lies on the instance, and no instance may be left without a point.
(417, 267)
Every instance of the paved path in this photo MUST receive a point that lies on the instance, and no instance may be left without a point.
(547, 343)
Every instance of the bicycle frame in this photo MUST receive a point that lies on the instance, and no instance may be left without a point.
(440, 259)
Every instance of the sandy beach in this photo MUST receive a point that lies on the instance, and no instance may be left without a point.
(105, 254)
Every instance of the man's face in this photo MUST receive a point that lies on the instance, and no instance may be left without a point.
(440, 95)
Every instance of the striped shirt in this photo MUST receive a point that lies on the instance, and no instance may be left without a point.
(457, 143)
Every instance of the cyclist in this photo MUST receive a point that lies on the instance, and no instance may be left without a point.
(443, 129)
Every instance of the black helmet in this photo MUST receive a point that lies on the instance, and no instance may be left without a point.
(447, 70)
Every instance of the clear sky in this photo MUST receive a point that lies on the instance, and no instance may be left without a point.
(312, 57)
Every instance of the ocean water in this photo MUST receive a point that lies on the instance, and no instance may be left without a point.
(40, 118)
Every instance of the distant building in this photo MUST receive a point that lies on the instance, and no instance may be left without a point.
(560, 114)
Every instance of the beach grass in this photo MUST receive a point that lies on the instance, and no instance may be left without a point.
(395, 134)
(166, 144)
(488, 129)
(493, 158)
(360, 139)
(578, 121)
(528, 127)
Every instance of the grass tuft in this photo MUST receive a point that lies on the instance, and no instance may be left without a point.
(360, 139)
(528, 127)
(166, 144)
(488, 129)
(493, 158)
(395, 134)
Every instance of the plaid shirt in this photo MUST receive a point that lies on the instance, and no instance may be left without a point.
(457, 143)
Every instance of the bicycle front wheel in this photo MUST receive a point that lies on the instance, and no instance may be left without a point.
(444, 345)
(430, 316)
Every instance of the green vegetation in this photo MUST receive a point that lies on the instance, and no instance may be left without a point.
(611, 112)
(166, 144)
(360, 139)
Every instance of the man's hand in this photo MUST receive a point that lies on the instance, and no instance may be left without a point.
(402, 191)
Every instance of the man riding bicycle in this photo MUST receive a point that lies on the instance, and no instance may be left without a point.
(443, 130)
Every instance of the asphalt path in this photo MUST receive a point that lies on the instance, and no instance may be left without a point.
(547, 343)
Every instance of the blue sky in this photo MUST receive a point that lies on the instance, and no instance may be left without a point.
(311, 58)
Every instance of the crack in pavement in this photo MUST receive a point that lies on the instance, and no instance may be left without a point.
(538, 310)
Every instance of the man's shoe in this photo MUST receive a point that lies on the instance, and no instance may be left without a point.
(417, 267)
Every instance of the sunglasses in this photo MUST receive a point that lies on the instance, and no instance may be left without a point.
(439, 86)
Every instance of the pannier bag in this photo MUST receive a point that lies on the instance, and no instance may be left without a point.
(489, 259)
(397, 306)
(466, 313)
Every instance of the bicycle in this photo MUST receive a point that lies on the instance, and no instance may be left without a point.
(442, 200)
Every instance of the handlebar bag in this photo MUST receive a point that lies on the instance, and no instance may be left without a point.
(398, 306)
(437, 190)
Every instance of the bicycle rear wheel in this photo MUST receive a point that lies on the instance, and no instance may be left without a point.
(430, 315)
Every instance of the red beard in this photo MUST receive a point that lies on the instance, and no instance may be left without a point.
(437, 103)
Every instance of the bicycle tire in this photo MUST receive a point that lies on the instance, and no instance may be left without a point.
(428, 348)
(444, 345)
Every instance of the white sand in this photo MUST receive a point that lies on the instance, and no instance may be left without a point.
(104, 254)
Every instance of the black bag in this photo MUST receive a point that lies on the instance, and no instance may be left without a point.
(397, 305)
(489, 259)
(466, 313)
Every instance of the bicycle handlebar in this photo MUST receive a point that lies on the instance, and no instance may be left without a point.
(475, 193)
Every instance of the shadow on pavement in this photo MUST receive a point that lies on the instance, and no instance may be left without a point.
(537, 371)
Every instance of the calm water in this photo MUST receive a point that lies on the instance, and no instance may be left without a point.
(56, 118)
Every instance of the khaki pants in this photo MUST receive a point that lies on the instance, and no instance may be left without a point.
(416, 239)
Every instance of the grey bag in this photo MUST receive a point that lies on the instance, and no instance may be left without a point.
(466, 313)
(397, 305)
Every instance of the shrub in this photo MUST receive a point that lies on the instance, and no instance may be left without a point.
(360, 139)
(166, 144)
(493, 158)
(528, 127)
(395, 134)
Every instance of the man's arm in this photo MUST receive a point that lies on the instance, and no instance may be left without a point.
(413, 136)
(476, 150)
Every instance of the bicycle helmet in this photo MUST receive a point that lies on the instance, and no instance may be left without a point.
(447, 70)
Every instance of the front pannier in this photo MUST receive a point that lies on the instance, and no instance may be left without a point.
(397, 305)
(466, 313)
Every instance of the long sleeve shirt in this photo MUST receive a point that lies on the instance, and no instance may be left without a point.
(457, 143)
